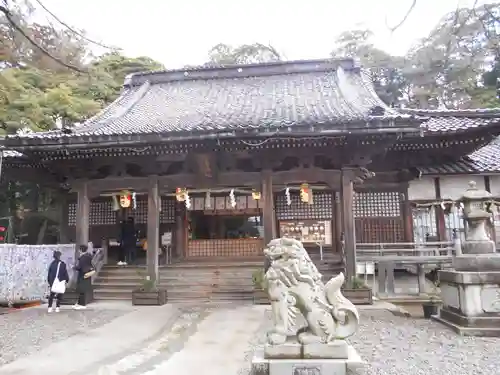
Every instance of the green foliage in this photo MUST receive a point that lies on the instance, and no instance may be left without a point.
(38, 93)
(223, 54)
(455, 66)
(434, 295)
(258, 279)
(147, 285)
(357, 283)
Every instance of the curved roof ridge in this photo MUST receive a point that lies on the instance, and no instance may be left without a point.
(240, 70)
(477, 112)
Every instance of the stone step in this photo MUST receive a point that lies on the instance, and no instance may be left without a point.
(196, 282)
(178, 288)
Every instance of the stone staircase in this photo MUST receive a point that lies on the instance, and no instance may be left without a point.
(330, 266)
(185, 282)
(201, 281)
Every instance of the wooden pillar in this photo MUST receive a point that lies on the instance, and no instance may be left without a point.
(153, 233)
(179, 231)
(347, 198)
(337, 217)
(440, 223)
(407, 216)
(82, 215)
(268, 216)
(63, 217)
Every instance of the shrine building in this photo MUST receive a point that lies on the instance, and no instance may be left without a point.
(215, 162)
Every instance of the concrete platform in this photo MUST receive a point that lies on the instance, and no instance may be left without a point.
(483, 327)
(263, 366)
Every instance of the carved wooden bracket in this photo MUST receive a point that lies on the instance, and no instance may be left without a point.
(358, 174)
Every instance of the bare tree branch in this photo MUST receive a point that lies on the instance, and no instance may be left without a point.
(407, 14)
(8, 16)
(72, 29)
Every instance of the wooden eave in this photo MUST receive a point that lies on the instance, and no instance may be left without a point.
(229, 144)
(374, 125)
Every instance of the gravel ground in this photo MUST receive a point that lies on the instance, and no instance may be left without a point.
(407, 346)
(27, 331)
(404, 346)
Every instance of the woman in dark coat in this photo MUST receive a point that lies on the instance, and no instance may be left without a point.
(84, 285)
(62, 275)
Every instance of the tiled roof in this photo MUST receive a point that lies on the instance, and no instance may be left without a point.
(297, 95)
(445, 121)
(484, 160)
(9, 153)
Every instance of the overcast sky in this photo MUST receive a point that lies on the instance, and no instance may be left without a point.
(179, 33)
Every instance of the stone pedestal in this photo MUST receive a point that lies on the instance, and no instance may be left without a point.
(471, 301)
(292, 358)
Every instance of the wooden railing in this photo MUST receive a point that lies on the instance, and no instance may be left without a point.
(387, 257)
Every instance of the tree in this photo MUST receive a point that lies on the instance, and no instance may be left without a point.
(456, 66)
(386, 71)
(37, 92)
(223, 54)
(448, 66)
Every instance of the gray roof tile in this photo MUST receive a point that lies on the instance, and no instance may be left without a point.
(444, 121)
(260, 96)
(484, 160)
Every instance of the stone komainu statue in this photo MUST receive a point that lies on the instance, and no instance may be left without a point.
(294, 286)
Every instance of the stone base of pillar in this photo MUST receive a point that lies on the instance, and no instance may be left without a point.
(471, 302)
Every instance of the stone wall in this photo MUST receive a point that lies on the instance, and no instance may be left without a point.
(23, 270)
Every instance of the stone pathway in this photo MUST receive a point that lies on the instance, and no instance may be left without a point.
(208, 341)
(27, 331)
(189, 340)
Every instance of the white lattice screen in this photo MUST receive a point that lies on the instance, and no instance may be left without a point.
(321, 208)
(102, 213)
(377, 204)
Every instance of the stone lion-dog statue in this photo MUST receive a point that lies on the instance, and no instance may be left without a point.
(294, 286)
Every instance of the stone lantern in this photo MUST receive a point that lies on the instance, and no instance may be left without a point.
(471, 292)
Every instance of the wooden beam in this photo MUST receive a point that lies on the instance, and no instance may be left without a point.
(224, 179)
(153, 229)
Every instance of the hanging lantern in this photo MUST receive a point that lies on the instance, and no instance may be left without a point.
(232, 199)
(125, 199)
(116, 205)
(180, 194)
(134, 200)
(187, 200)
(208, 200)
(304, 193)
(288, 197)
(255, 195)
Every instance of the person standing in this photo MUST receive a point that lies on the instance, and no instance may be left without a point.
(84, 267)
(128, 241)
(57, 271)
